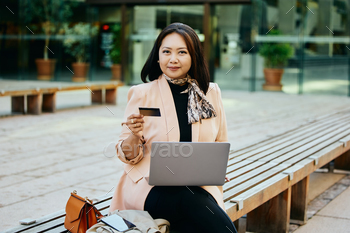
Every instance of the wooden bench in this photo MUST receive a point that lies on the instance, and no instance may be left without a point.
(269, 179)
(41, 96)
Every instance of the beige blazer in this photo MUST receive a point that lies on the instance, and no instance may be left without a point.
(133, 188)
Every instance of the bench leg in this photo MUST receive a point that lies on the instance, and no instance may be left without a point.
(272, 216)
(34, 104)
(17, 104)
(329, 166)
(96, 97)
(49, 102)
(239, 226)
(300, 190)
(111, 96)
(343, 161)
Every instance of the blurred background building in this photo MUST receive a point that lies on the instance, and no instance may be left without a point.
(231, 32)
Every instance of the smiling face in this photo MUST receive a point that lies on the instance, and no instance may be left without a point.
(174, 58)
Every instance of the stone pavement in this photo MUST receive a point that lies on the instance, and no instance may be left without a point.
(330, 212)
(43, 158)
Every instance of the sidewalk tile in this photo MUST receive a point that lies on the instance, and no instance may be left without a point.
(320, 224)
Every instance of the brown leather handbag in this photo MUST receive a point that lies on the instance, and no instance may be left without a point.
(81, 214)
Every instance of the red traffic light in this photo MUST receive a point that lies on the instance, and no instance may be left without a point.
(105, 27)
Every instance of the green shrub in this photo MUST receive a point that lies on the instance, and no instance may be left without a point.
(48, 16)
(77, 40)
(276, 54)
(116, 49)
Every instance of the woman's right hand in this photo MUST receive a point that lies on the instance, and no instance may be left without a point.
(135, 124)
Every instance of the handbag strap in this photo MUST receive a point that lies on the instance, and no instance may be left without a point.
(88, 202)
(99, 215)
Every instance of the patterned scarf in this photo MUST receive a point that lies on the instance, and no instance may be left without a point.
(196, 109)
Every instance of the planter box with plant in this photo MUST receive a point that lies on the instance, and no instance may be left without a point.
(276, 56)
(49, 16)
(76, 44)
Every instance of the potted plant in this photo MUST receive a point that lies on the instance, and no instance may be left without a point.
(76, 43)
(276, 56)
(49, 14)
(116, 52)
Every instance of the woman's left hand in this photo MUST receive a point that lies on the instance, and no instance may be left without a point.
(227, 179)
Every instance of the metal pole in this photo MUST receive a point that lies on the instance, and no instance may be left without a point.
(301, 48)
(21, 71)
(349, 73)
(253, 74)
(348, 52)
(301, 68)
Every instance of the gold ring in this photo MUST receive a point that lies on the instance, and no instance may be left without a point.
(135, 125)
(132, 121)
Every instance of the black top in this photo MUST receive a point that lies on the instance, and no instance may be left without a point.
(181, 101)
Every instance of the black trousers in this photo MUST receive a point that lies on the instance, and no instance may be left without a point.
(188, 209)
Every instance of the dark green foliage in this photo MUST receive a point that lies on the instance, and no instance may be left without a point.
(77, 40)
(47, 16)
(51, 13)
(116, 50)
(276, 54)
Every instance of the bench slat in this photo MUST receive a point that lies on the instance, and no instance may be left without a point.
(249, 183)
(309, 151)
(237, 165)
(286, 135)
(244, 167)
(300, 140)
(286, 155)
(236, 180)
(315, 146)
(328, 154)
(285, 148)
(258, 195)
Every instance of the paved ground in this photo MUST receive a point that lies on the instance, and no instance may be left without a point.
(43, 158)
(329, 212)
(324, 188)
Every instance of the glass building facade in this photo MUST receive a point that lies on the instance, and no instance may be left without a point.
(231, 33)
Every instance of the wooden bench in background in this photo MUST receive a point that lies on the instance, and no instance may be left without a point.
(41, 96)
(269, 179)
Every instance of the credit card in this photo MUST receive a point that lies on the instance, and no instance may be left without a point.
(150, 111)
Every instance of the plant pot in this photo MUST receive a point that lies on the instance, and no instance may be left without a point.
(116, 71)
(273, 79)
(80, 71)
(45, 68)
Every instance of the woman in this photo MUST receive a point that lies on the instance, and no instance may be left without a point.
(179, 78)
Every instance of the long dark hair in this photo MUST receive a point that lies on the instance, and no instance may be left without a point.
(199, 68)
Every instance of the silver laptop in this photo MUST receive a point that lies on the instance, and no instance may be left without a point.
(188, 163)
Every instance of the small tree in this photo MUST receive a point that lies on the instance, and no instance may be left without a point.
(50, 14)
(116, 49)
(276, 54)
(77, 40)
